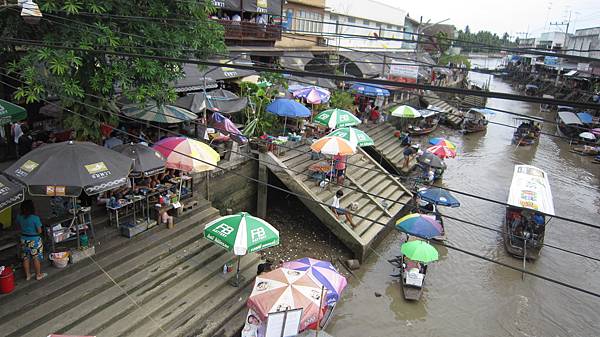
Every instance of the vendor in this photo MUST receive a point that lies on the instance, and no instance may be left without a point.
(31, 241)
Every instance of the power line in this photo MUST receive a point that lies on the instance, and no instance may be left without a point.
(341, 186)
(548, 279)
(314, 74)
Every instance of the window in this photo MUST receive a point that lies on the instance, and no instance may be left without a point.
(390, 26)
(377, 24)
(308, 22)
(366, 22)
(351, 19)
(333, 17)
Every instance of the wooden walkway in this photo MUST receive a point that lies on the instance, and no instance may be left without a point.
(366, 183)
(160, 283)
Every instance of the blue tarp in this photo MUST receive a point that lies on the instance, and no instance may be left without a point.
(585, 117)
(369, 90)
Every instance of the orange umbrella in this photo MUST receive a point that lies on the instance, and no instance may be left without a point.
(333, 145)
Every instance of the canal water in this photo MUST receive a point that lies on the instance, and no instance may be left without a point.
(466, 296)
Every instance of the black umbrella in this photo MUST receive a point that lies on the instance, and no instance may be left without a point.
(220, 100)
(68, 168)
(146, 160)
(432, 160)
(11, 193)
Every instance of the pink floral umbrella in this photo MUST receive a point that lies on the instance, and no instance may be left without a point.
(324, 272)
(286, 289)
(595, 131)
(313, 95)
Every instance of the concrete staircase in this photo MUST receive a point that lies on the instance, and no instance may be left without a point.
(453, 116)
(388, 146)
(365, 184)
(159, 283)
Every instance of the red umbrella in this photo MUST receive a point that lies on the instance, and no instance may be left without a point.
(442, 151)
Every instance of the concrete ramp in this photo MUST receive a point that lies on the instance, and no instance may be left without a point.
(366, 183)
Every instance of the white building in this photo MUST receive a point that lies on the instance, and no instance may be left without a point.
(585, 39)
(551, 40)
(363, 18)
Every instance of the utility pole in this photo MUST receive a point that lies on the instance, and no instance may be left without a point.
(566, 24)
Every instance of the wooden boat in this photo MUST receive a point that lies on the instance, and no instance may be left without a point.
(527, 133)
(568, 124)
(529, 203)
(427, 123)
(474, 121)
(547, 107)
(413, 279)
(586, 150)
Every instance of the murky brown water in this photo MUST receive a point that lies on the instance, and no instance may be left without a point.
(465, 296)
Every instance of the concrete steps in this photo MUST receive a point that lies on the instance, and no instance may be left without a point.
(388, 146)
(366, 183)
(162, 279)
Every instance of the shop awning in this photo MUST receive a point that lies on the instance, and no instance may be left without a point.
(271, 7)
(571, 73)
(232, 5)
(193, 80)
(225, 72)
(295, 60)
(369, 64)
(10, 113)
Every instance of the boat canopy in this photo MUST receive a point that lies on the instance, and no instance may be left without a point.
(569, 118)
(428, 113)
(530, 189)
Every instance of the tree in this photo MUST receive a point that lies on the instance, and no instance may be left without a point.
(342, 100)
(467, 30)
(87, 81)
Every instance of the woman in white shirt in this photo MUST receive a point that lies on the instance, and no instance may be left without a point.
(337, 210)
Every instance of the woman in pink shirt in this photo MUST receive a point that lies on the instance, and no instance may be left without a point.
(340, 168)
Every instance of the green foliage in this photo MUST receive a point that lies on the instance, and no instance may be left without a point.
(456, 59)
(258, 120)
(483, 38)
(95, 78)
(342, 100)
(442, 42)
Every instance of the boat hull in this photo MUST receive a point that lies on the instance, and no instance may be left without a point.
(412, 293)
(515, 251)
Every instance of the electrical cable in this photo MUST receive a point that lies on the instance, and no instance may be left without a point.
(167, 131)
(506, 265)
(306, 73)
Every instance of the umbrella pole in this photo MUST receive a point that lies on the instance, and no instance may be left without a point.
(284, 125)
(75, 222)
(133, 200)
(237, 273)
(524, 258)
(319, 312)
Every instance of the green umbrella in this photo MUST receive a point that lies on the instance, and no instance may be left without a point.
(419, 251)
(241, 233)
(405, 111)
(154, 112)
(355, 136)
(336, 118)
(10, 113)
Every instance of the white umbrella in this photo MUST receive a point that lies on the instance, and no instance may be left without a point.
(587, 135)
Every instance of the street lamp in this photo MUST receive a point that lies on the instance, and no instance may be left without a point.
(30, 11)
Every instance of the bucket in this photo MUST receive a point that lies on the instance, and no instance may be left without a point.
(60, 260)
(7, 280)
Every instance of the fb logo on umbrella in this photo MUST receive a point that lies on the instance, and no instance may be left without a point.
(223, 230)
(258, 234)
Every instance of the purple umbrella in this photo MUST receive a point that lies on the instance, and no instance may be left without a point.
(222, 123)
(323, 272)
(313, 95)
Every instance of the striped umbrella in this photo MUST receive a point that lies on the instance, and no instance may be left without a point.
(443, 142)
(405, 111)
(336, 118)
(442, 151)
(354, 136)
(423, 226)
(285, 289)
(313, 95)
(324, 272)
(187, 154)
(154, 112)
(332, 145)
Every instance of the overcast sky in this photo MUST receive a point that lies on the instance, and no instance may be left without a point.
(501, 16)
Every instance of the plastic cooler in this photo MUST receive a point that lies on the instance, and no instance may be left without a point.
(7, 280)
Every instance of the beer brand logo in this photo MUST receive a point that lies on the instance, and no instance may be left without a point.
(223, 230)
(258, 234)
(3, 110)
(98, 170)
(3, 189)
(262, 4)
(29, 166)
(57, 191)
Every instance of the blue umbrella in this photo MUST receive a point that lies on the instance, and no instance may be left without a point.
(439, 196)
(288, 108)
(585, 117)
(369, 90)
